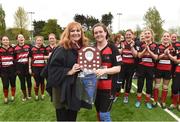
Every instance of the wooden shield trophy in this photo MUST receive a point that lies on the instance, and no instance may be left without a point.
(89, 58)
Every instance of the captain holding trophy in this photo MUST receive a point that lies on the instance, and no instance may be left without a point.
(100, 66)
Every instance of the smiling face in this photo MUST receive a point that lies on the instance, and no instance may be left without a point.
(166, 38)
(148, 36)
(20, 39)
(174, 38)
(99, 34)
(75, 34)
(39, 41)
(5, 41)
(52, 39)
(129, 36)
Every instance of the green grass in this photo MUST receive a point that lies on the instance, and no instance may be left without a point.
(32, 110)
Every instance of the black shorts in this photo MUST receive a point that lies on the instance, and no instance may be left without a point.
(37, 70)
(167, 75)
(103, 102)
(22, 68)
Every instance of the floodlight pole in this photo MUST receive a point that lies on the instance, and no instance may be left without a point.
(119, 14)
(31, 27)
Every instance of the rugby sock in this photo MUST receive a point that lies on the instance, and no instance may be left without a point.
(126, 94)
(36, 90)
(13, 91)
(5, 92)
(117, 94)
(179, 99)
(139, 98)
(156, 94)
(164, 95)
(147, 98)
(175, 99)
(42, 88)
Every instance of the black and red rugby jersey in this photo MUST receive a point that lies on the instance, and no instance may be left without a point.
(37, 55)
(177, 50)
(127, 56)
(49, 49)
(165, 63)
(22, 53)
(109, 57)
(7, 56)
(147, 59)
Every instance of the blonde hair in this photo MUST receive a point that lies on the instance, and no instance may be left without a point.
(152, 33)
(163, 35)
(42, 38)
(65, 37)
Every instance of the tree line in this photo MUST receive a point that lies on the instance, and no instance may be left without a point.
(152, 19)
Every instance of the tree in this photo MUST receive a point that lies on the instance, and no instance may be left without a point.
(38, 27)
(80, 18)
(86, 21)
(90, 21)
(107, 19)
(51, 27)
(13, 32)
(21, 18)
(153, 20)
(2, 21)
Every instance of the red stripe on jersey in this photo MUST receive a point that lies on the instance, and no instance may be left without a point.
(104, 84)
(6, 56)
(128, 60)
(166, 67)
(106, 64)
(106, 51)
(147, 64)
(177, 69)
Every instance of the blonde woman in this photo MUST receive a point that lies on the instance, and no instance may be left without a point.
(163, 69)
(147, 55)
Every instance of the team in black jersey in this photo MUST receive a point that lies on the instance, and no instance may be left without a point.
(150, 61)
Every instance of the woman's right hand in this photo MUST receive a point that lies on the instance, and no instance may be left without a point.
(75, 68)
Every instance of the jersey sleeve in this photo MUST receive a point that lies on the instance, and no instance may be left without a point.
(116, 57)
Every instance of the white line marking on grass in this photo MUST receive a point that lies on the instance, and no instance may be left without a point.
(166, 110)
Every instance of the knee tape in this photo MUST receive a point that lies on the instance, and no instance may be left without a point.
(165, 87)
(157, 86)
(105, 116)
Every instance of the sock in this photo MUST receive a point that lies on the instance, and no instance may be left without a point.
(126, 94)
(175, 99)
(179, 99)
(42, 88)
(36, 90)
(147, 98)
(164, 95)
(13, 91)
(156, 94)
(5, 93)
(139, 98)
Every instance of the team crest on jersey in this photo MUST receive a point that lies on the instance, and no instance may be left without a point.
(26, 49)
(118, 58)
